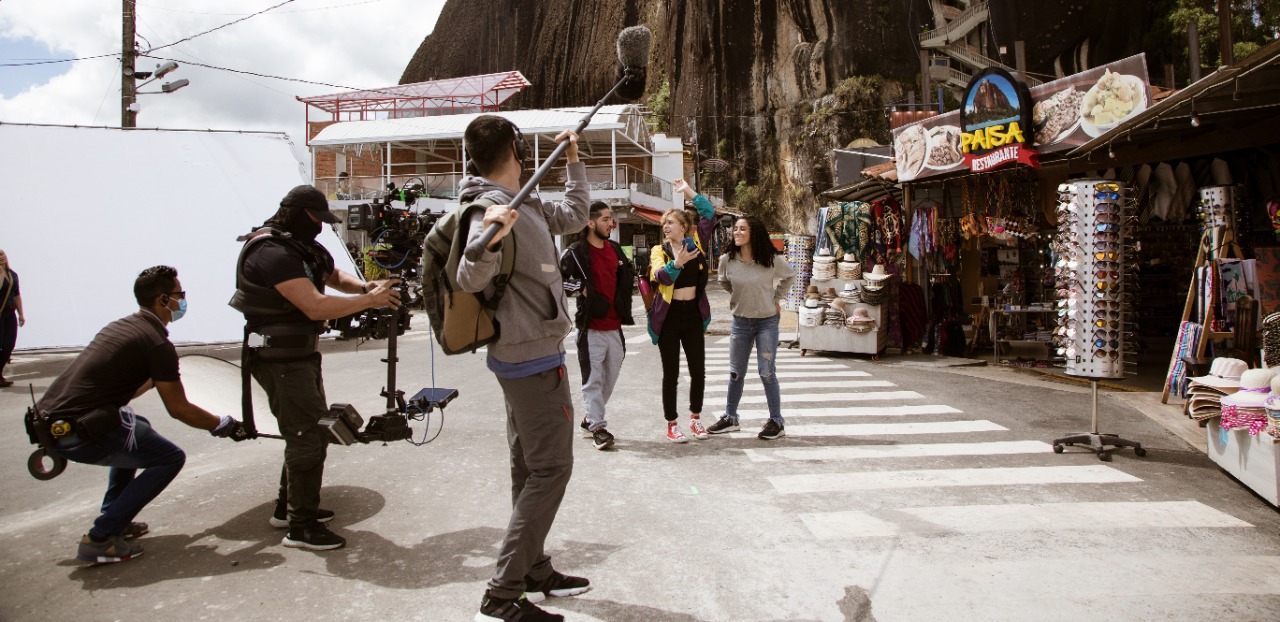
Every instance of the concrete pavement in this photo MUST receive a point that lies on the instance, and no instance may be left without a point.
(942, 502)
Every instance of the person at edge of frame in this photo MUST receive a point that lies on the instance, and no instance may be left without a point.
(527, 358)
(280, 288)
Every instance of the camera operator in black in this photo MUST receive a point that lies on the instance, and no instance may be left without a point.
(280, 283)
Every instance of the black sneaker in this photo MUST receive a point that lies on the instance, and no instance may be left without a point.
(514, 610)
(602, 439)
(586, 426)
(555, 584)
(723, 425)
(771, 430)
(280, 518)
(317, 537)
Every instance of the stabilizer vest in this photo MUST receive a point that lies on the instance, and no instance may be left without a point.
(254, 299)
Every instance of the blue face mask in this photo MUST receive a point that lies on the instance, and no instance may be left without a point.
(182, 310)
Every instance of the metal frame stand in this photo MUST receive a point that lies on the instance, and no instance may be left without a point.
(1096, 441)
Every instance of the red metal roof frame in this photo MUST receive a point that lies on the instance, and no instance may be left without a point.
(451, 96)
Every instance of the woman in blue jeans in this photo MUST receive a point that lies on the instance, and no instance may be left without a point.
(757, 280)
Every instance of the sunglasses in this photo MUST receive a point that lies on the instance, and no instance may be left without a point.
(1112, 256)
(1107, 228)
(1107, 304)
(1105, 323)
(1107, 196)
(1102, 274)
(1114, 315)
(1102, 343)
(1112, 186)
(1102, 354)
(1107, 246)
(1107, 208)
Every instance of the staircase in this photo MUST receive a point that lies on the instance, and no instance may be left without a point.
(957, 61)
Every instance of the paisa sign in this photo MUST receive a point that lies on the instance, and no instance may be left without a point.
(995, 122)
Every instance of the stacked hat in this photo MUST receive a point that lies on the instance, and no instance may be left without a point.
(859, 321)
(828, 295)
(849, 269)
(812, 293)
(834, 315)
(811, 313)
(824, 265)
(1204, 393)
(1272, 408)
(1246, 408)
(850, 293)
(877, 278)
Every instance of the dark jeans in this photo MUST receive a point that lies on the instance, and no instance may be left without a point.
(295, 391)
(159, 459)
(682, 328)
(8, 336)
(540, 432)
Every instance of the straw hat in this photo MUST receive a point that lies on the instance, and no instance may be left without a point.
(1255, 387)
(850, 258)
(824, 256)
(860, 315)
(811, 303)
(1224, 373)
(877, 274)
(849, 290)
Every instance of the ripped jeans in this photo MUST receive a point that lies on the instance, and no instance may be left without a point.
(763, 333)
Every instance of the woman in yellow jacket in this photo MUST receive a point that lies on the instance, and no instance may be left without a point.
(678, 319)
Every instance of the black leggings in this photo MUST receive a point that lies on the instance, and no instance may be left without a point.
(682, 327)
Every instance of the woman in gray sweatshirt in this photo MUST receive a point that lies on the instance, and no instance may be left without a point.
(757, 280)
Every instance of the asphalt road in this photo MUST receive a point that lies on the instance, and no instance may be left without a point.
(944, 505)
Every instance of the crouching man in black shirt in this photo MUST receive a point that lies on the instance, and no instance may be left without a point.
(126, 359)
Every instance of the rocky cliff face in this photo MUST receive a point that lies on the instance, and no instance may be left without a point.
(770, 86)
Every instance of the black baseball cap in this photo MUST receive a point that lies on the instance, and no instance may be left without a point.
(310, 198)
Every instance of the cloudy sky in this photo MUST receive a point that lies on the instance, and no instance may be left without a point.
(348, 43)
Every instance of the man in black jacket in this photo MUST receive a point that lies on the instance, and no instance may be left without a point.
(600, 276)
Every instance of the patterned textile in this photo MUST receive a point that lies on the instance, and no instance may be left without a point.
(1253, 419)
(1268, 279)
(850, 228)
(1188, 337)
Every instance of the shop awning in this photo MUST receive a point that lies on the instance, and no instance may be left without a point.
(1232, 108)
(652, 215)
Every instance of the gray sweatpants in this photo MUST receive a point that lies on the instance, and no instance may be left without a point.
(540, 435)
(604, 352)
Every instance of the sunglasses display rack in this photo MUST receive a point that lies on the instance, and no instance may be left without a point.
(1090, 278)
(1218, 207)
(1090, 270)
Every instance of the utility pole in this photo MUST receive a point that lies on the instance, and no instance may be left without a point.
(1225, 44)
(128, 84)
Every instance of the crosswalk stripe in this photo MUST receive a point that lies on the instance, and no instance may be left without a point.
(857, 411)
(1092, 515)
(641, 338)
(781, 353)
(846, 373)
(836, 384)
(838, 397)
(915, 450)
(878, 429)
(946, 478)
(782, 366)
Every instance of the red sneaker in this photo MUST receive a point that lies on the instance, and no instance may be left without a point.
(699, 432)
(674, 434)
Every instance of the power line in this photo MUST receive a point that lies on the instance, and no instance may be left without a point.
(319, 8)
(58, 60)
(230, 23)
(186, 53)
(251, 73)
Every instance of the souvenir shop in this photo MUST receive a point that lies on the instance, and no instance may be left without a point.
(1201, 169)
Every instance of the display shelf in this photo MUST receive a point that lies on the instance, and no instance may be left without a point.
(837, 339)
(994, 327)
(1253, 460)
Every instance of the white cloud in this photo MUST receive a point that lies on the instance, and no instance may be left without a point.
(356, 43)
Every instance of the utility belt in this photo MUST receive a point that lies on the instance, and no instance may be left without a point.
(284, 342)
(88, 426)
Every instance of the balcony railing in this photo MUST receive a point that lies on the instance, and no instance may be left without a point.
(960, 26)
(445, 185)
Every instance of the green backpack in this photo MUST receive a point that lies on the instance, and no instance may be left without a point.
(462, 321)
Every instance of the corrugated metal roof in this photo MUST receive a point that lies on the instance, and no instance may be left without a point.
(626, 117)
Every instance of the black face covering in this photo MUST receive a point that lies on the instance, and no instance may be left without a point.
(302, 227)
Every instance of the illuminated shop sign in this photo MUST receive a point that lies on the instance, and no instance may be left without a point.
(995, 121)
